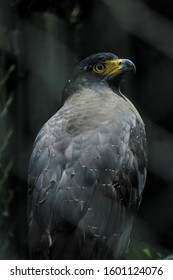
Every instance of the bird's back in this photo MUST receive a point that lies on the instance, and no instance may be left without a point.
(87, 173)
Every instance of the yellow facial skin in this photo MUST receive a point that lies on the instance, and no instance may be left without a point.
(109, 67)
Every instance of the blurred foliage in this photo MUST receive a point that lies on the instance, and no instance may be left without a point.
(6, 193)
(71, 11)
(139, 250)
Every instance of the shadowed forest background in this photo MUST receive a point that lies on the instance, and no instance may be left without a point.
(40, 43)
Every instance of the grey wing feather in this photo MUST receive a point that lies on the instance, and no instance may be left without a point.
(84, 190)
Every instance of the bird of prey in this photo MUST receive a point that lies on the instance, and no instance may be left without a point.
(88, 167)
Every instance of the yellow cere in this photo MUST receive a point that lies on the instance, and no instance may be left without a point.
(109, 67)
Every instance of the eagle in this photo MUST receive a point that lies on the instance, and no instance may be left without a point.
(88, 167)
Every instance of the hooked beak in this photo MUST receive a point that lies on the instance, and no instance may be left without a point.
(126, 65)
(118, 66)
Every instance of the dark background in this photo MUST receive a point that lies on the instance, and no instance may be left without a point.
(40, 43)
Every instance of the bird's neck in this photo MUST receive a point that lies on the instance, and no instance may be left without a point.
(99, 86)
(114, 84)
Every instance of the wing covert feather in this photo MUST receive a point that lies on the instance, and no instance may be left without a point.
(85, 186)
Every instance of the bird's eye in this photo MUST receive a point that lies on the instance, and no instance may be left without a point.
(99, 68)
